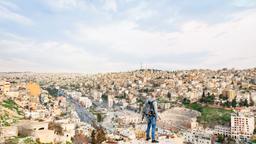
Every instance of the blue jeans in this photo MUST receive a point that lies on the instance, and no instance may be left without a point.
(151, 123)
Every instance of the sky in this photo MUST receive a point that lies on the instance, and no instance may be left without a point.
(93, 36)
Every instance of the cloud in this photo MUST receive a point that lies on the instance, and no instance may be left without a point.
(24, 54)
(139, 12)
(64, 4)
(204, 45)
(9, 5)
(74, 5)
(110, 5)
(8, 11)
(244, 3)
(112, 35)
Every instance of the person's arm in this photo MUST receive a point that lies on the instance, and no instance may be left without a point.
(155, 108)
(143, 111)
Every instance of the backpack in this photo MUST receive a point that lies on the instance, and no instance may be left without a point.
(149, 108)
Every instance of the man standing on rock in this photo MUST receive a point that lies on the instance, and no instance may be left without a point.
(150, 112)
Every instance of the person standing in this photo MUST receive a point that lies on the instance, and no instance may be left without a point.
(150, 112)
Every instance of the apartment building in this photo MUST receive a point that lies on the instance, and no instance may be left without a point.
(222, 130)
(242, 126)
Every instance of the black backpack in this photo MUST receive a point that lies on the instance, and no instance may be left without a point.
(150, 110)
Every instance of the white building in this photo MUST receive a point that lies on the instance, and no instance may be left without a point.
(222, 130)
(75, 95)
(12, 94)
(96, 95)
(38, 114)
(242, 126)
(198, 136)
(127, 117)
(192, 96)
(85, 101)
(243, 96)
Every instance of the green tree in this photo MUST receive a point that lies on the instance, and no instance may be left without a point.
(29, 141)
(234, 103)
(221, 96)
(104, 97)
(227, 104)
(99, 117)
(169, 95)
(185, 101)
(220, 138)
(241, 103)
(207, 99)
(246, 103)
(203, 95)
(202, 100)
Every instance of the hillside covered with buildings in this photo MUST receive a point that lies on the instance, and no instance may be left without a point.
(198, 106)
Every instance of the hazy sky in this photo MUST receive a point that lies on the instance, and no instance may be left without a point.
(117, 35)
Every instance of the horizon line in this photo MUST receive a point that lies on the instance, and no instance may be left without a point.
(93, 73)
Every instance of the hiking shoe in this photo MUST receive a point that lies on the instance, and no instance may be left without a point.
(155, 141)
(147, 139)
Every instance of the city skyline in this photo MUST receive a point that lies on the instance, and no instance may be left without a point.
(113, 35)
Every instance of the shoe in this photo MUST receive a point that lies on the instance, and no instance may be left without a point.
(155, 141)
(147, 139)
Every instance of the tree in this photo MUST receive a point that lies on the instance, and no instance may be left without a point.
(221, 96)
(227, 104)
(203, 95)
(99, 117)
(210, 99)
(93, 135)
(104, 97)
(229, 140)
(29, 141)
(220, 138)
(98, 135)
(246, 103)
(241, 103)
(207, 99)
(56, 127)
(169, 95)
(202, 100)
(234, 103)
(186, 101)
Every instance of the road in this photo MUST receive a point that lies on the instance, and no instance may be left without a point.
(84, 115)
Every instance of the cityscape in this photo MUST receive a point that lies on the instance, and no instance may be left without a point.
(127, 72)
(195, 106)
